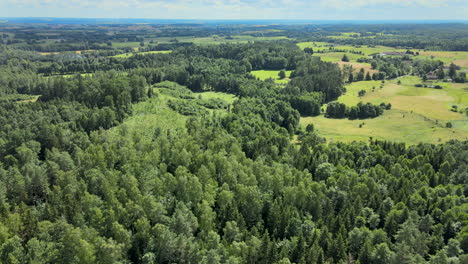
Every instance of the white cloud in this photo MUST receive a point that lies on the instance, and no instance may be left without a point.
(241, 9)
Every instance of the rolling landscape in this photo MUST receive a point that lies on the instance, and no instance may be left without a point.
(222, 138)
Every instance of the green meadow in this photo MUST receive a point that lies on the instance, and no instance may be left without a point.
(265, 74)
(417, 114)
(458, 57)
(228, 98)
(154, 113)
(214, 39)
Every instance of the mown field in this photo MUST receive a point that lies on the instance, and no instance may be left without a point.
(417, 114)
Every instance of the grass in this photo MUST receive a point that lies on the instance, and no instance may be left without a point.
(264, 74)
(214, 39)
(128, 55)
(417, 115)
(357, 66)
(337, 56)
(155, 112)
(229, 98)
(132, 44)
(458, 57)
(394, 125)
(352, 90)
(20, 98)
(71, 75)
(58, 52)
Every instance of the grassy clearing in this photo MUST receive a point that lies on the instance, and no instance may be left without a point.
(395, 125)
(128, 55)
(151, 114)
(352, 90)
(337, 56)
(73, 51)
(229, 98)
(458, 57)
(366, 50)
(131, 44)
(417, 115)
(71, 75)
(358, 66)
(214, 39)
(155, 112)
(264, 74)
(20, 98)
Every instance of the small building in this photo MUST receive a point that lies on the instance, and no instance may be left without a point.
(431, 76)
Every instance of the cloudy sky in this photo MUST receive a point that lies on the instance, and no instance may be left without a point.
(240, 9)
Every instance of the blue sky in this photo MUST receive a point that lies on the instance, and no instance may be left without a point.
(241, 9)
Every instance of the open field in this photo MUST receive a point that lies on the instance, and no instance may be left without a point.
(214, 39)
(358, 66)
(74, 51)
(133, 44)
(127, 55)
(229, 98)
(264, 74)
(395, 125)
(417, 115)
(337, 56)
(458, 57)
(365, 49)
(71, 75)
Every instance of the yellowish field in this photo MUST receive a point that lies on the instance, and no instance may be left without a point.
(358, 66)
(417, 115)
(74, 51)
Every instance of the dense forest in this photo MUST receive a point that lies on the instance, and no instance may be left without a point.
(243, 184)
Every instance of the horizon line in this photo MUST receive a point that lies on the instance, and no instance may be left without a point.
(232, 19)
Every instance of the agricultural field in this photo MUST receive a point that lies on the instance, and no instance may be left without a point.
(213, 39)
(458, 57)
(394, 125)
(417, 114)
(266, 74)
